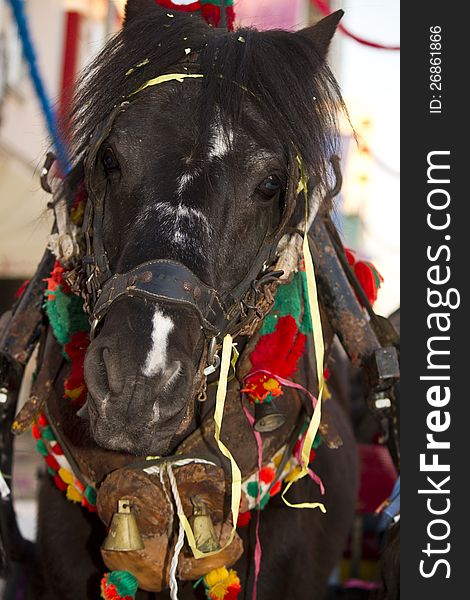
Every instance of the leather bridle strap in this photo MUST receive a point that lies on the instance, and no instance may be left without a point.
(168, 281)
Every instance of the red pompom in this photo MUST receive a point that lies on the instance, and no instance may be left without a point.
(267, 474)
(56, 449)
(276, 488)
(211, 14)
(60, 484)
(233, 592)
(243, 519)
(42, 420)
(52, 463)
(35, 431)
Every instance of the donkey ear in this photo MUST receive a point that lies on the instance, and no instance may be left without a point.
(321, 33)
(138, 8)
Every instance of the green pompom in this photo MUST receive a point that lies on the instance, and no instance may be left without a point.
(90, 495)
(123, 582)
(42, 448)
(252, 489)
(317, 442)
(66, 315)
(264, 500)
(48, 434)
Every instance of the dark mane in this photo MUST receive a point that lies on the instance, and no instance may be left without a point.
(286, 81)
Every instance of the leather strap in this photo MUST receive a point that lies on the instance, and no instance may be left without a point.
(168, 281)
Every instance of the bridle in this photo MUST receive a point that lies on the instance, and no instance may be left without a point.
(235, 311)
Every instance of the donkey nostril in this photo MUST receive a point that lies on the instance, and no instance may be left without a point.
(113, 372)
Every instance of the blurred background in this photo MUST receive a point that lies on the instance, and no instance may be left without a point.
(68, 33)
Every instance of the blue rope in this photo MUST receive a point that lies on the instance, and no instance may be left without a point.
(30, 57)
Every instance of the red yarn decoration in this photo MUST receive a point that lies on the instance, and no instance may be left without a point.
(244, 519)
(367, 275)
(211, 14)
(267, 474)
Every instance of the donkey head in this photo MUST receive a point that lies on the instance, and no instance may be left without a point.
(199, 172)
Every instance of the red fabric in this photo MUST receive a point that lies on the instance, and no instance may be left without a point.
(35, 431)
(70, 60)
(378, 475)
(243, 519)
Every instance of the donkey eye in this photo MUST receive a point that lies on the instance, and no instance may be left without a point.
(270, 186)
(109, 160)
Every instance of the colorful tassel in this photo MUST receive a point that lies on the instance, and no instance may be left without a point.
(367, 275)
(222, 584)
(119, 585)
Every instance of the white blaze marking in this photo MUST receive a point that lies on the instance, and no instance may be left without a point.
(156, 359)
(184, 181)
(221, 140)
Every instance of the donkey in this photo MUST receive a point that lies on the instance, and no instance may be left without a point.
(199, 171)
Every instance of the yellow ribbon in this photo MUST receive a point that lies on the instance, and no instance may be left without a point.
(164, 78)
(319, 351)
(236, 473)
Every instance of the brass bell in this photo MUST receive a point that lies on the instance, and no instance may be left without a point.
(267, 417)
(202, 527)
(124, 534)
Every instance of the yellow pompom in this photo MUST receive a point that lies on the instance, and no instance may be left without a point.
(66, 476)
(73, 494)
(271, 384)
(293, 474)
(218, 581)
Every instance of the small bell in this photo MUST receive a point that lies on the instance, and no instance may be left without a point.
(124, 534)
(267, 417)
(202, 527)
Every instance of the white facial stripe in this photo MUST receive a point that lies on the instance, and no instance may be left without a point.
(181, 220)
(184, 181)
(156, 359)
(221, 141)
